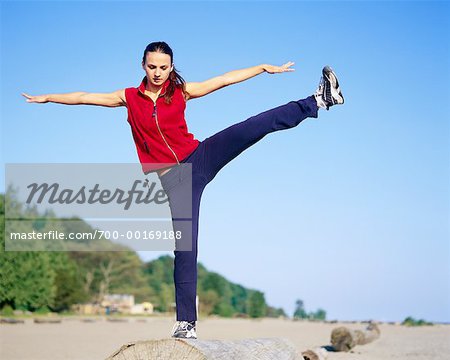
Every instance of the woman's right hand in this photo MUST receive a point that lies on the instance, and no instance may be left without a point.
(41, 99)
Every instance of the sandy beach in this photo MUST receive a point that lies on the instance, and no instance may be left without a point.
(74, 338)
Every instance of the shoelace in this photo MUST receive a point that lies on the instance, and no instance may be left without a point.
(181, 325)
(319, 90)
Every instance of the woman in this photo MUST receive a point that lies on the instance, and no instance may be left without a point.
(163, 143)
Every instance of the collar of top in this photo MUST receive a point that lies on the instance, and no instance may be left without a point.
(143, 85)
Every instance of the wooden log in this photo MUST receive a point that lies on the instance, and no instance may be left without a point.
(46, 321)
(317, 354)
(182, 349)
(344, 339)
(121, 320)
(11, 321)
(88, 320)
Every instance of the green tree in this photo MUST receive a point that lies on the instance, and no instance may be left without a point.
(410, 321)
(256, 304)
(239, 298)
(224, 309)
(209, 299)
(218, 284)
(158, 275)
(275, 312)
(69, 285)
(112, 272)
(26, 278)
(300, 312)
(320, 314)
(166, 297)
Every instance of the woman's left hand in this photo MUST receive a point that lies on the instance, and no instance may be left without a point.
(272, 69)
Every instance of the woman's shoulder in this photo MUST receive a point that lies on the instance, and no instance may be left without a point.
(131, 90)
(180, 90)
(181, 87)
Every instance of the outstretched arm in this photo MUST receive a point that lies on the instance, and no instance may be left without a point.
(198, 89)
(114, 99)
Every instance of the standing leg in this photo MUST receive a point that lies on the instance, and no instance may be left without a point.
(185, 263)
(184, 184)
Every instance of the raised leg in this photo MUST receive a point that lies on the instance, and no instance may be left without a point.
(224, 146)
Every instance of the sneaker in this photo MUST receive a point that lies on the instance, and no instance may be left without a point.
(184, 330)
(328, 93)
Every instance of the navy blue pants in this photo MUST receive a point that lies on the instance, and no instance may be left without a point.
(207, 159)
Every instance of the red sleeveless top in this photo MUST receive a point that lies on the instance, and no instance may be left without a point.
(159, 130)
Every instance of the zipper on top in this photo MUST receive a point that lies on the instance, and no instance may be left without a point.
(155, 115)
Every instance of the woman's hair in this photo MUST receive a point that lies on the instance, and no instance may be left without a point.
(175, 78)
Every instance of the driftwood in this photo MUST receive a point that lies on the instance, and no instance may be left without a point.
(181, 349)
(87, 320)
(121, 320)
(344, 339)
(11, 321)
(317, 354)
(46, 321)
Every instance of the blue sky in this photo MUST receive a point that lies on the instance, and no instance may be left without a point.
(349, 212)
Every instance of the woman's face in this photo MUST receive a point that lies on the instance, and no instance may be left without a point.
(157, 67)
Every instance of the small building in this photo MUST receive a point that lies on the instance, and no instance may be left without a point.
(143, 308)
(119, 303)
(114, 303)
(88, 309)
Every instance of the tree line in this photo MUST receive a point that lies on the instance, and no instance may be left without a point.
(55, 280)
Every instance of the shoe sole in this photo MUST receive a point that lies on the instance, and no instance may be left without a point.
(334, 90)
(184, 337)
